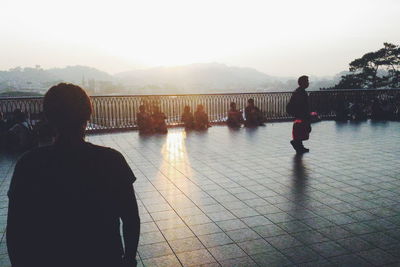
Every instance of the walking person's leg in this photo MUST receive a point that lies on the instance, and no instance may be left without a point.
(299, 134)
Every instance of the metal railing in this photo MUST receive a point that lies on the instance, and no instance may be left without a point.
(119, 112)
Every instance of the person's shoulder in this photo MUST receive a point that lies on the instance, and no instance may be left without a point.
(103, 150)
(300, 91)
(107, 153)
(34, 155)
(115, 160)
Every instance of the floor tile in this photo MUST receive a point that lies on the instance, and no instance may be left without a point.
(256, 246)
(329, 249)
(227, 252)
(216, 239)
(154, 250)
(165, 261)
(186, 244)
(242, 235)
(196, 257)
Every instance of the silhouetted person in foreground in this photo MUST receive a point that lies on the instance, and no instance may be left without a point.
(66, 200)
(144, 121)
(201, 118)
(235, 117)
(158, 120)
(253, 115)
(187, 118)
(298, 107)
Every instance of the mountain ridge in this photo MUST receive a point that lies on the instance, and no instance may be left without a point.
(193, 78)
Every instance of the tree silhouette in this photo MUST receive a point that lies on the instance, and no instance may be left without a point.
(379, 69)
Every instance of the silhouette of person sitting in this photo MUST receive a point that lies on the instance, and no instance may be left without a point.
(158, 120)
(341, 110)
(357, 111)
(253, 115)
(19, 136)
(235, 117)
(3, 130)
(201, 118)
(144, 121)
(187, 118)
(66, 200)
(396, 112)
(377, 112)
(299, 108)
(44, 131)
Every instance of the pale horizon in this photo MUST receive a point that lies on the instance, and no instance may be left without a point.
(284, 38)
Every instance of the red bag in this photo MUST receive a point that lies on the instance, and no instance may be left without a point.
(301, 130)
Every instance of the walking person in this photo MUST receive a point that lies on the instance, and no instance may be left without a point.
(299, 108)
(66, 200)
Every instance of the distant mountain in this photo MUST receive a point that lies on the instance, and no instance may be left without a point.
(77, 73)
(38, 79)
(187, 79)
(205, 77)
(209, 78)
(26, 75)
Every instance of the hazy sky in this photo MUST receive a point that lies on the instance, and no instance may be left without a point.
(280, 37)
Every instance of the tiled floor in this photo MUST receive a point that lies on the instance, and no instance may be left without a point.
(242, 198)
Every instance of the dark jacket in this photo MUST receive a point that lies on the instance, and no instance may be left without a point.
(299, 100)
(65, 206)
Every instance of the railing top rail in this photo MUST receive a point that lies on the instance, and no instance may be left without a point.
(213, 94)
(246, 93)
(356, 90)
(19, 97)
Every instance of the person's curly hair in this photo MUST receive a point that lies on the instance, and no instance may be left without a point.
(302, 80)
(67, 107)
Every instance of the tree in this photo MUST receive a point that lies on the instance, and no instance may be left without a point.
(379, 69)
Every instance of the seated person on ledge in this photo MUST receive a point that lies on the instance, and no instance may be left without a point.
(201, 118)
(67, 200)
(144, 121)
(253, 115)
(187, 118)
(235, 117)
(158, 119)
